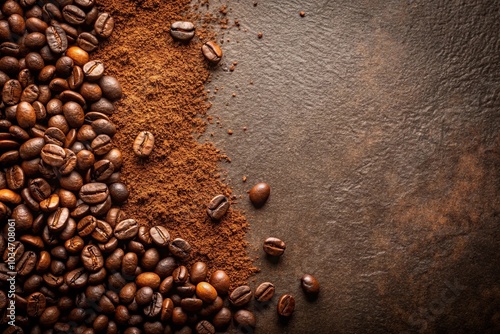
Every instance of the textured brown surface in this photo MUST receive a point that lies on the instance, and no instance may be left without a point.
(163, 93)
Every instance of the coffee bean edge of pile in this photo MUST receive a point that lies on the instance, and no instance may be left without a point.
(72, 260)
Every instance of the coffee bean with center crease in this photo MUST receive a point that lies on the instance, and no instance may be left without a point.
(160, 235)
(204, 327)
(93, 70)
(286, 305)
(101, 144)
(126, 229)
(218, 207)
(57, 221)
(53, 155)
(73, 15)
(54, 136)
(103, 170)
(274, 246)
(104, 25)
(11, 92)
(143, 144)
(36, 303)
(212, 52)
(39, 189)
(86, 225)
(154, 307)
(264, 292)
(241, 296)
(87, 41)
(180, 248)
(92, 258)
(182, 31)
(26, 263)
(102, 232)
(245, 320)
(56, 39)
(94, 193)
(15, 177)
(77, 278)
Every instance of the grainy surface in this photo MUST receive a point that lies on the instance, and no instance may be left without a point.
(376, 123)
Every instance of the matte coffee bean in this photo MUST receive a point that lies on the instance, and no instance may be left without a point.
(49, 316)
(206, 292)
(39, 189)
(144, 295)
(92, 258)
(274, 246)
(104, 25)
(259, 194)
(245, 320)
(180, 248)
(220, 281)
(143, 144)
(127, 293)
(160, 236)
(114, 261)
(212, 52)
(87, 41)
(309, 284)
(222, 318)
(126, 229)
(218, 207)
(286, 305)
(118, 191)
(148, 279)
(56, 39)
(94, 193)
(264, 292)
(182, 31)
(198, 272)
(15, 177)
(36, 303)
(153, 309)
(241, 296)
(103, 106)
(204, 327)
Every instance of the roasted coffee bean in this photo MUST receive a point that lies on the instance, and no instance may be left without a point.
(150, 259)
(104, 25)
(241, 296)
(56, 39)
(17, 24)
(109, 246)
(309, 284)
(97, 277)
(148, 279)
(93, 70)
(19, 133)
(204, 327)
(286, 305)
(206, 292)
(16, 249)
(274, 246)
(186, 289)
(74, 245)
(26, 263)
(25, 115)
(103, 232)
(11, 92)
(74, 182)
(53, 155)
(94, 193)
(8, 196)
(95, 292)
(92, 258)
(143, 144)
(39, 189)
(128, 292)
(87, 41)
(76, 78)
(102, 171)
(101, 144)
(126, 229)
(30, 94)
(35, 40)
(43, 262)
(167, 309)
(34, 24)
(32, 241)
(179, 317)
(198, 272)
(180, 248)
(54, 136)
(73, 15)
(191, 305)
(222, 318)
(212, 308)
(77, 278)
(105, 305)
(245, 320)
(8, 64)
(84, 160)
(259, 194)
(74, 114)
(114, 261)
(32, 284)
(144, 295)
(58, 85)
(160, 236)
(50, 204)
(103, 106)
(264, 292)
(79, 56)
(15, 177)
(57, 221)
(220, 281)
(36, 303)
(9, 157)
(118, 192)
(218, 207)
(212, 52)
(86, 225)
(165, 267)
(102, 126)
(182, 31)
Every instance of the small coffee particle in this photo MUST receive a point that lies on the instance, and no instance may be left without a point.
(260, 35)
(302, 14)
(259, 194)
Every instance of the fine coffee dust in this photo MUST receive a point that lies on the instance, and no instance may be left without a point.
(163, 92)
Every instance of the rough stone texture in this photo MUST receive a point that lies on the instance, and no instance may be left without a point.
(376, 123)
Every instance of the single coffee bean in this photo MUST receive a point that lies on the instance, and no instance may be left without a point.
(165, 267)
(53, 155)
(56, 39)
(128, 292)
(241, 296)
(77, 278)
(8, 196)
(57, 221)
(148, 279)
(143, 144)
(220, 281)
(222, 318)
(204, 327)
(50, 204)
(73, 15)
(114, 261)
(286, 305)
(212, 52)
(32, 241)
(218, 207)
(79, 56)
(74, 245)
(76, 79)
(15, 177)
(104, 25)
(274, 246)
(102, 171)
(36, 303)
(180, 248)
(26, 263)
(206, 292)
(94, 193)
(129, 264)
(191, 305)
(87, 41)
(86, 225)
(259, 194)
(198, 272)
(11, 92)
(126, 229)
(245, 320)
(103, 232)
(182, 31)
(309, 284)
(101, 144)
(154, 307)
(92, 258)
(160, 236)
(144, 295)
(264, 292)
(74, 114)
(25, 115)
(167, 309)
(212, 308)
(180, 275)
(118, 191)
(54, 136)
(93, 70)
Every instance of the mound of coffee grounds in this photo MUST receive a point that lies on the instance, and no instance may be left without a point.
(163, 92)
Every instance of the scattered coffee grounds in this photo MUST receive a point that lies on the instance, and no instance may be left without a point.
(163, 92)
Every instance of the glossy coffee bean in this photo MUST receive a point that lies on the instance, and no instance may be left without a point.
(220, 281)
(165, 267)
(56, 39)
(222, 318)
(25, 115)
(180, 248)
(94, 193)
(92, 258)
(198, 272)
(241, 296)
(49, 316)
(274, 246)
(87, 41)
(180, 275)
(76, 278)
(259, 194)
(53, 155)
(160, 236)
(118, 191)
(245, 320)
(309, 284)
(129, 264)
(264, 292)
(126, 229)
(218, 207)
(182, 31)
(127, 293)
(104, 25)
(204, 327)
(148, 279)
(57, 221)
(101, 144)
(144, 295)
(15, 177)
(212, 52)
(153, 309)
(206, 292)
(36, 303)
(143, 144)
(26, 263)
(93, 70)
(286, 305)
